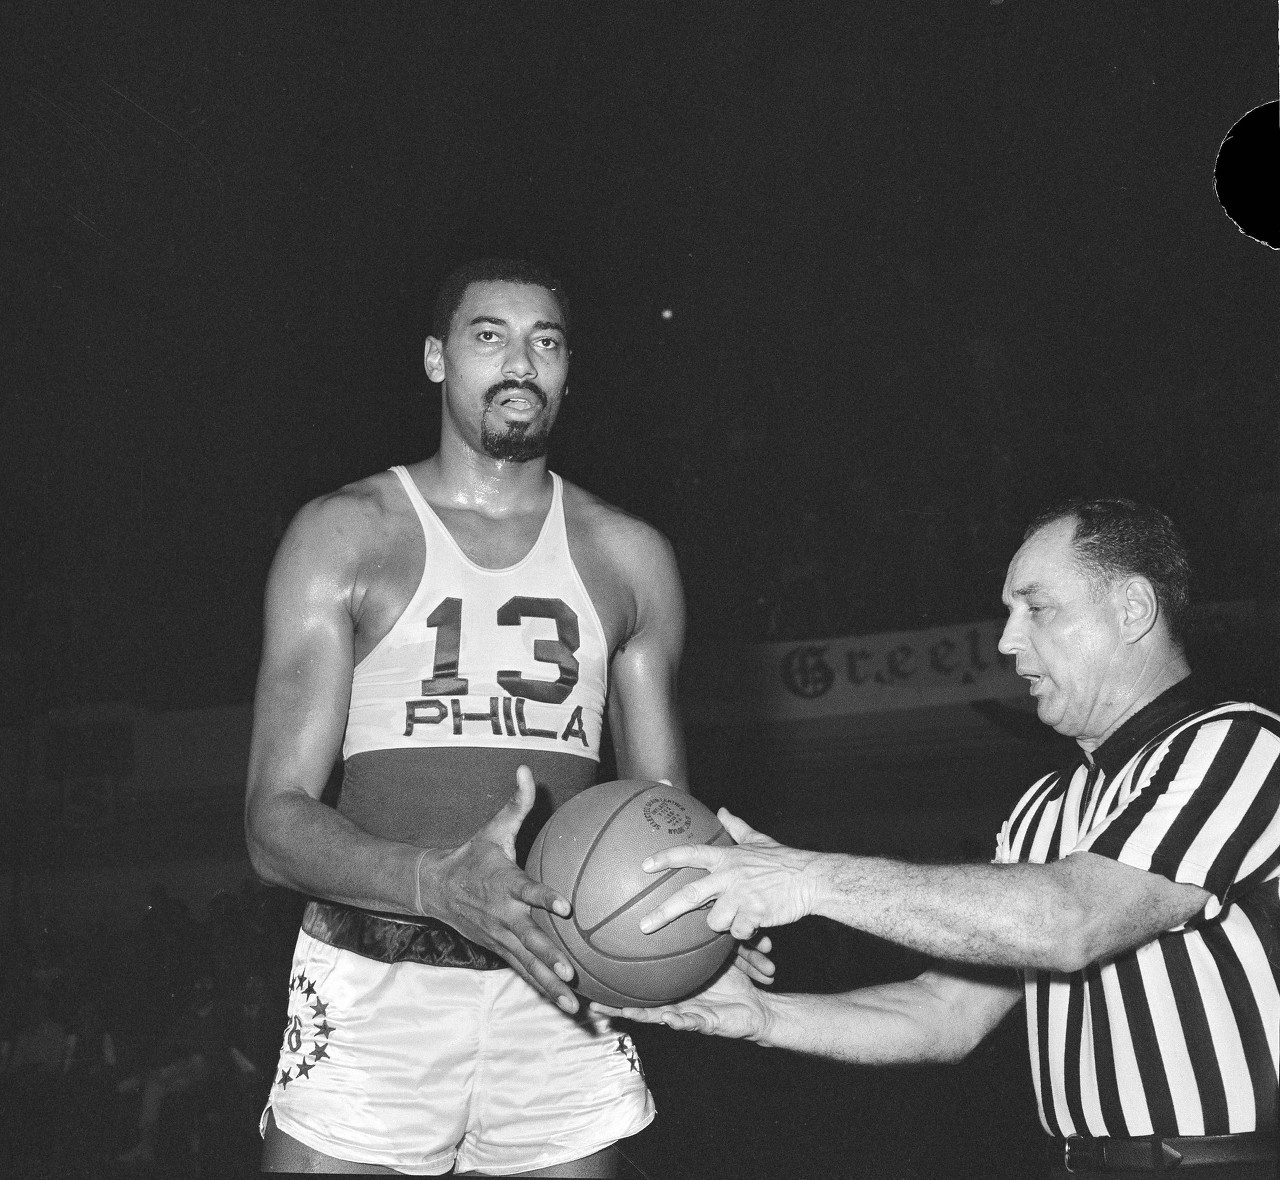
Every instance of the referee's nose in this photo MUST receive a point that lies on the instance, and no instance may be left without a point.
(1011, 640)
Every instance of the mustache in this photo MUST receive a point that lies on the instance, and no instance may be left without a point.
(511, 383)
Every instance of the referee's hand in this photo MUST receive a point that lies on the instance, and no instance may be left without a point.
(759, 883)
(730, 1006)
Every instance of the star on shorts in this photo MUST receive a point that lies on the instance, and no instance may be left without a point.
(628, 1050)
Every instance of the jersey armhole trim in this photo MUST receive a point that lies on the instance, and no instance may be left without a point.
(586, 594)
(406, 483)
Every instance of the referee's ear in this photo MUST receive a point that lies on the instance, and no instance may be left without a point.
(1141, 609)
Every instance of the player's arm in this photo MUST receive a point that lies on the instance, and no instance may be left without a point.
(644, 716)
(1055, 917)
(643, 711)
(300, 712)
(940, 1016)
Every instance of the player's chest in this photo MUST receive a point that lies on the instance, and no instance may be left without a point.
(486, 545)
(487, 593)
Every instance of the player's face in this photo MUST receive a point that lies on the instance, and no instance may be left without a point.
(504, 369)
(1066, 640)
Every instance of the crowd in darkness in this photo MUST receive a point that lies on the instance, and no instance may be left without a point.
(143, 1046)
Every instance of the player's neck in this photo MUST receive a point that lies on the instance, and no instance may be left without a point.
(461, 477)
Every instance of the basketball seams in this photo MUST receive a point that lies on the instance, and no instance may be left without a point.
(634, 900)
(595, 843)
(595, 963)
(672, 957)
(588, 931)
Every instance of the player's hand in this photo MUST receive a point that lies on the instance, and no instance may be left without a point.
(480, 890)
(753, 960)
(729, 1006)
(759, 883)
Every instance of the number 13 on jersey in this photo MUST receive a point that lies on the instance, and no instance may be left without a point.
(505, 714)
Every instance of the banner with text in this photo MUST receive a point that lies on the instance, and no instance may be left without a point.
(874, 673)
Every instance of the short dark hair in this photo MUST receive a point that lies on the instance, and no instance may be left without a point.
(491, 270)
(1119, 538)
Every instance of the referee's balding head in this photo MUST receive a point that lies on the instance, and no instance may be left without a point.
(1097, 597)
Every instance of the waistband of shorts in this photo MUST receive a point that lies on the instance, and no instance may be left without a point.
(1158, 1153)
(389, 939)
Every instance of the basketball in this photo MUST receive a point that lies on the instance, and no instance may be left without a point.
(590, 851)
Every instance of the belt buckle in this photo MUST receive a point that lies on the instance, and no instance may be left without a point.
(1081, 1153)
(1090, 1155)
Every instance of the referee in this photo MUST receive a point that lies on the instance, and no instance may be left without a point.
(1137, 892)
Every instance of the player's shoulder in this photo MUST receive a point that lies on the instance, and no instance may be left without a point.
(347, 524)
(620, 534)
(628, 551)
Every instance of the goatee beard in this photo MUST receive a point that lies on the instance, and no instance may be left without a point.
(518, 443)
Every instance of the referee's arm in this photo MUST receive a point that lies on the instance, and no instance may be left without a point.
(940, 1016)
(1049, 917)
(1056, 917)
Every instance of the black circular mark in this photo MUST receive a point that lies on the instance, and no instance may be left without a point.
(1244, 176)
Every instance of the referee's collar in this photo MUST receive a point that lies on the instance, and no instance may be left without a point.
(1172, 705)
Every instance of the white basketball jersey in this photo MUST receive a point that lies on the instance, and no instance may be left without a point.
(503, 659)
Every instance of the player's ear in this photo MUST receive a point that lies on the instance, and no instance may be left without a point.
(1141, 608)
(433, 359)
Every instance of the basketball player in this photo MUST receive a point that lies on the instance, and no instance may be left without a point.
(466, 622)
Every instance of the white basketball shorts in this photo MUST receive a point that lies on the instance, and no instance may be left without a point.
(423, 1069)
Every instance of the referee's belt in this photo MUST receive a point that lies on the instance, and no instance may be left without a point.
(1161, 1153)
(394, 938)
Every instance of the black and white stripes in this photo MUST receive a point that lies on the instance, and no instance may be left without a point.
(1179, 1037)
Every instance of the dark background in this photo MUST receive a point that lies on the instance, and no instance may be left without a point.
(929, 266)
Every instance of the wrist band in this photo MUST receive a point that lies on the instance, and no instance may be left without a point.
(417, 884)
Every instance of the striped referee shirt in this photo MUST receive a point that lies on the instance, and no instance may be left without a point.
(1177, 1037)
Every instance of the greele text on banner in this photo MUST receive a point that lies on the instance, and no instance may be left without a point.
(874, 673)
